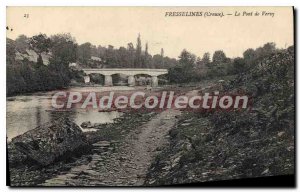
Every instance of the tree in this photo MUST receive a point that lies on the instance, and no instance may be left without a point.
(169, 62)
(187, 60)
(184, 72)
(10, 51)
(199, 63)
(146, 57)
(200, 68)
(111, 56)
(146, 49)
(249, 56)
(175, 75)
(39, 61)
(265, 50)
(22, 43)
(156, 61)
(64, 52)
(239, 65)
(206, 58)
(84, 53)
(162, 52)
(131, 56)
(219, 57)
(122, 57)
(64, 49)
(40, 43)
(220, 64)
(94, 51)
(138, 53)
(269, 48)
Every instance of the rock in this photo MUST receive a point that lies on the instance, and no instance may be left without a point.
(185, 124)
(15, 157)
(152, 182)
(290, 148)
(175, 161)
(265, 172)
(97, 125)
(280, 133)
(86, 124)
(50, 141)
(123, 158)
(102, 144)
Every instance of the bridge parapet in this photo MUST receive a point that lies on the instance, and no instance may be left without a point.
(130, 72)
(126, 71)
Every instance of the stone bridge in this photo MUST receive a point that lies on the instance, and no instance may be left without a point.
(129, 72)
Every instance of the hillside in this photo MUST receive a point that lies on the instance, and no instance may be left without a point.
(236, 144)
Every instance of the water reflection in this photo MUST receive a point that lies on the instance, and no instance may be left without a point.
(24, 113)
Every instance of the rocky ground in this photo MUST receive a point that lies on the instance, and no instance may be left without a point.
(198, 152)
(106, 141)
(121, 154)
(174, 147)
(122, 163)
(222, 145)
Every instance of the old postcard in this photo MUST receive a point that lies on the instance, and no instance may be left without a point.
(149, 96)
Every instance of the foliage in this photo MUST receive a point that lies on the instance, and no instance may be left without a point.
(40, 43)
(25, 76)
(138, 53)
(84, 53)
(184, 72)
(123, 57)
(97, 78)
(220, 145)
(239, 66)
(22, 43)
(206, 58)
(10, 51)
(219, 57)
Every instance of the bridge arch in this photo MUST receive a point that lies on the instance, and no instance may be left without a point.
(118, 78)
(142, 79)
(95, 78)
(107, 72)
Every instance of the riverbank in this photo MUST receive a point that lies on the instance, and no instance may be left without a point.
(224, 145)
(110, 142)
(174, 147)
(200, 152)
(30, 174)
(126, 163)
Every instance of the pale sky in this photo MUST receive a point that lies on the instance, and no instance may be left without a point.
(118, 26)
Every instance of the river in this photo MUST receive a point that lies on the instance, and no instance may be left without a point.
(26, 112)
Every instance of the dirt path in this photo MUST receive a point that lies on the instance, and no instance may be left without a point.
(126, 164)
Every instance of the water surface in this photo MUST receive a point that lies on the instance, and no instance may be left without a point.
(26, 112)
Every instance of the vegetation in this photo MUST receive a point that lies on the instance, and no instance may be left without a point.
(220, 145)
(203, 146)
(25, 76)
(191, 68)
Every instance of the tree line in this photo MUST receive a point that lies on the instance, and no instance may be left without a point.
(192, 68)
(123, 57)
(25, 76)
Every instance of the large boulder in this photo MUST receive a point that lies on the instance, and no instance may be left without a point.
(15, 157)
(50, 141)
